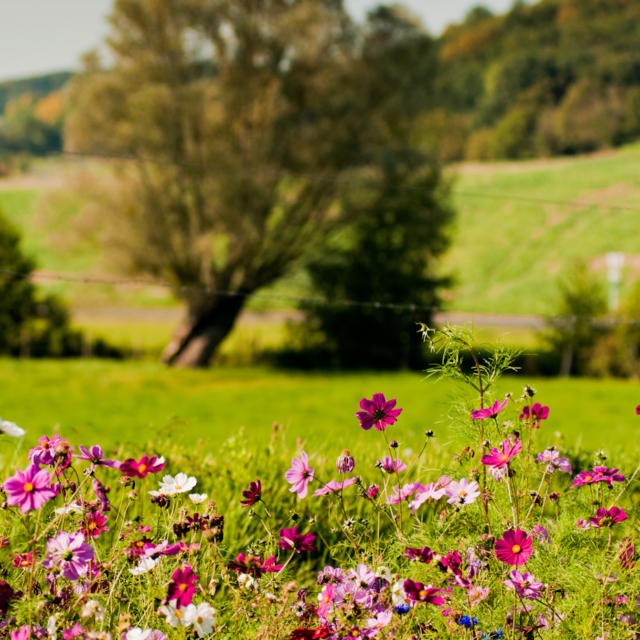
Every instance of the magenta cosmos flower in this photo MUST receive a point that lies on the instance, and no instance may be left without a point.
(182, 586)
(95, 455)
(133, 468)
(69, 553)
(94, 524)
(254, 565)
(534, 414)
(423, 554)
(29, 488)
(489, 412)
(525, 585)
(607, 518)
(498, 458)
(291, 539)
(515, 547)
(252, 495)
(418, 592)
(300, 475)
(377, 412)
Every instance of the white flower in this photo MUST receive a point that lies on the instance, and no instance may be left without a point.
(136, 633)
(171, 486)
(398, 595)
(93, 609)
(384, 572)
(175, 617)
(74, 507)
(247, 582)
(11, 429)
(51, 628)
(197, 498)
(202, 617)
(145, 564)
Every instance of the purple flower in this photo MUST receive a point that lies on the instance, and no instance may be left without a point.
(95, 456)
(252, 495)
(540, 533)
(390, 465)
(463, 492)
(69, 553)
(51, 450)
(490, 412)
(609, 475)
(378, 412)
(291, 539)
(418, 592)
(300, 475)
(607, 518)
(554, 461)
(345, 462)
(423, 554)
(525, 584)
(333, 486)
(29, 488)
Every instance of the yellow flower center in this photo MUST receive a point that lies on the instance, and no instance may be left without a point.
(178, 487)
(142, 468)
(183, 586)
(587, 478)
(28, 487)
(422, 593)
(516, 548)
(462, 493)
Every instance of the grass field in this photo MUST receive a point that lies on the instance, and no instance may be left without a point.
(132, 402)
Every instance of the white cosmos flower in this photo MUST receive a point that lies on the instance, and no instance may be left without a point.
(145, 564)
(202, 617)
(247, 582)
(74, 507)
(197, 498)
(136, 633)
(171, 486)
(93, 609)
(175, 617)
(11, 429)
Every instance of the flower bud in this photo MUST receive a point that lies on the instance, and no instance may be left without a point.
(345, 462)
(393, 444)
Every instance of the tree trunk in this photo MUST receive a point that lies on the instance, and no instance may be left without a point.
(195, 342)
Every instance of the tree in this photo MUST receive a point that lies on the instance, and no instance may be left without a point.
(247, 119)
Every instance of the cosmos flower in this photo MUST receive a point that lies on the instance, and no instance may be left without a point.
(29, 489)
(70, 553)
(252, 495)
(525, 585)
(608, 517)
(299, 475)
(171, 486)
(291, 539)
(535, 413)
(463, 492)
(182, 586)
(423, 554)
(11, 429)
(427, 493)
(515, 547)
(489, 412)
(197, 498)
(95, 455)
(333, 486)
(254, 565)
(132, 468)
(346, 462)
(552, 457)
(94, 524)
(202, 617)
(400, 494)
(48, 451)
(418, 592)
(501, 457)
(390, 465)
(136, 633)
(377, 412)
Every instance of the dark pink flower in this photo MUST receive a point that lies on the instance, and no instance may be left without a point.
(515, 547)
(291, 539)
(334, 486)
(94, 524)
(626, 551)
(29, 488)
(498, 458)
(254, 565)
(182, 586)
(24, 560)
(609, 475)
(490, 412)
(418, 592)
(423, 554)
(132, 468)
(377, 412)
(585, 477)
(299, 475)
(638, 410)
(371, 492)
(77, 631)
(252, 495)
(534, 414)
(607, 518)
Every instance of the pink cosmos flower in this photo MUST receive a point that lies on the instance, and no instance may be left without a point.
(254, 565)
(29, 488)
(525, 584)
(515, 547)
(607, 518)
(77, 631)
(418, 592)
(334, 486)
(300, 475)
(552, 457)
(182, 586)
(291, 539)
(463, 492)
(95, 455)
(490, 412)
(390, 465)
(377, 412)
(70, 553)
(426, 493)
(501, 457)
(536, 413)
(371, 492)
(399, 494)
(326, 597)
(23, 633)
(24, 560)
(132, 468)
(609, 475)
(51, 450)
(94, 524)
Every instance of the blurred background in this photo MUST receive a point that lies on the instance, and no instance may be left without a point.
(271, 187)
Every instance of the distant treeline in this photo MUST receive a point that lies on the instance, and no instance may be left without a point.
(554, 77)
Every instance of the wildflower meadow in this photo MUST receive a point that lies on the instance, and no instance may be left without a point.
(511, 537)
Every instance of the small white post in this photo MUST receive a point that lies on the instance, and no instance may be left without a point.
(615, 262)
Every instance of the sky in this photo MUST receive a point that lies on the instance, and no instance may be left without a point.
(38, 36)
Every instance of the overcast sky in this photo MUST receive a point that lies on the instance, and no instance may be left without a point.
(37, 36)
